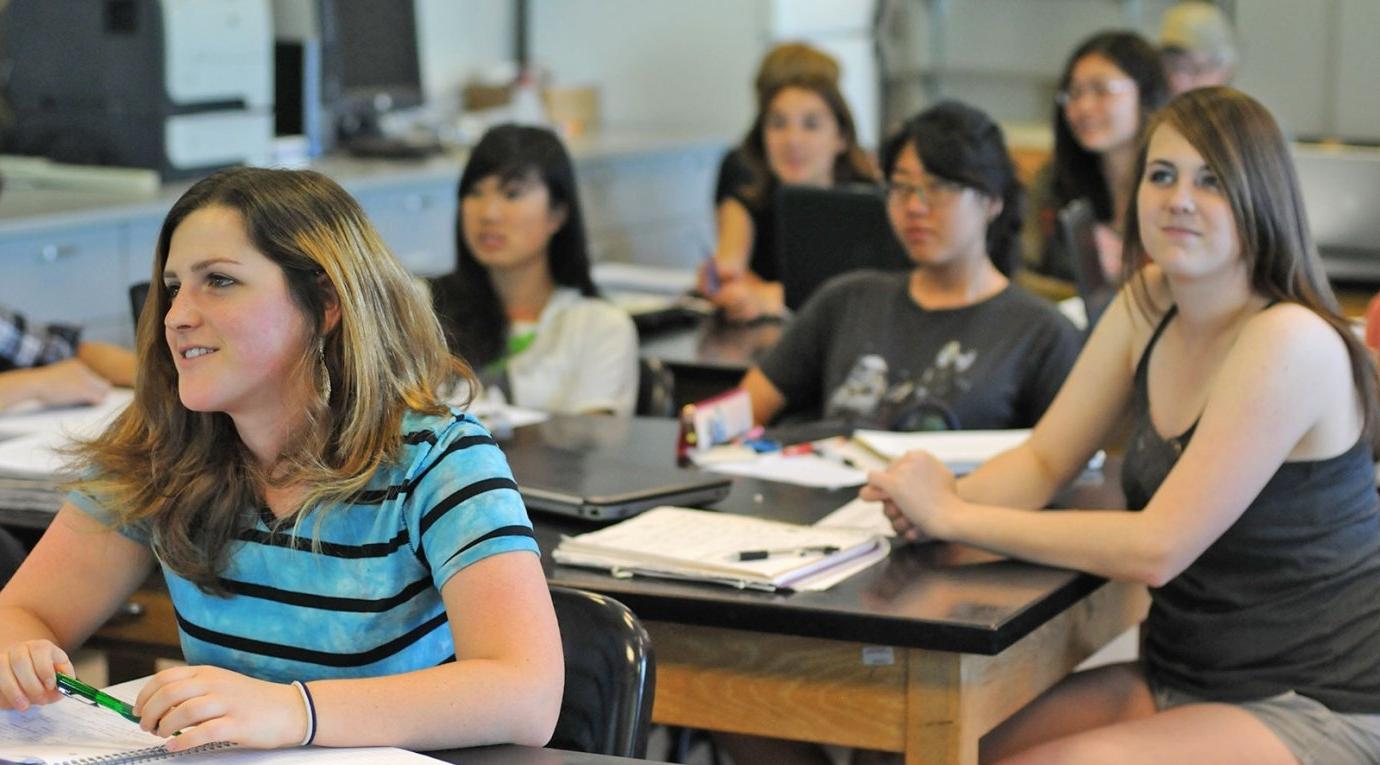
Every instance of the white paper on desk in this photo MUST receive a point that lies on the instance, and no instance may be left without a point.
(612, 277)
(801, 469)
(498, 415)
(862, 515)
(961, 450)
(32, 418)
(71, 730)
(68, 730)
(36, 456)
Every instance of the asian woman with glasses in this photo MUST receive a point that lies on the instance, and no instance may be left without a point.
(1110, 86)
(950, 343)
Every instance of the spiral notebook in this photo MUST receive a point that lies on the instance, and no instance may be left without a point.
(69, 732)
(724, 548)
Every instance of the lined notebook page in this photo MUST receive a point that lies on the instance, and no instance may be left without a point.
(70, 731)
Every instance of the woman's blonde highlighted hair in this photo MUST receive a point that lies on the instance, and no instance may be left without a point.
(186, 474)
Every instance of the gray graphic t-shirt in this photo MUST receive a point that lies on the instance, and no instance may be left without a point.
(862, 350)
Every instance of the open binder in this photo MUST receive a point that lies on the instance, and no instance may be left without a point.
(723, 548)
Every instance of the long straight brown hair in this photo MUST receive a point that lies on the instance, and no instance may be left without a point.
(1244, 147)
(186, 474)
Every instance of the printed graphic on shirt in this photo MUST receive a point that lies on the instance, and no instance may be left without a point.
(870, 398)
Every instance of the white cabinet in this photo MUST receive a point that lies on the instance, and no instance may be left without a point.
(72, 274)
(416, 221)
(654, 208)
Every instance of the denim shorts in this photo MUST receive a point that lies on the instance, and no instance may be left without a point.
(1315, 734)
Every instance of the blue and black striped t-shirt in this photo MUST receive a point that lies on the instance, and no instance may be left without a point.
(368, 603)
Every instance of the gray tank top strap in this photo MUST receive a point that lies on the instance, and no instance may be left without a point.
(1142, 366)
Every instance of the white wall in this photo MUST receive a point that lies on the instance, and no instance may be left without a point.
(658, 63)
(456, 38)
(1282, 61)
(1314, 66)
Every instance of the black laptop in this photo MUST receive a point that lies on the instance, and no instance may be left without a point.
(822, 233)
(602, 488)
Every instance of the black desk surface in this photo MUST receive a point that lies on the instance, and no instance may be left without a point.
(935, 596)
(712, 344)
(525, 755)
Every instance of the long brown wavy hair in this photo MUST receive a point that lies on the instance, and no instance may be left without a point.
(186, 474)
(1244, 147)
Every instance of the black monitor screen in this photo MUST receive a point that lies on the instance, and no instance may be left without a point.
(375, 47)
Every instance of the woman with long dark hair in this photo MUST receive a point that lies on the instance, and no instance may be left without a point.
(1110, 87)
(520, 304)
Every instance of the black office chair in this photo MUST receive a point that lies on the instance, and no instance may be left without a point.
(610, 676)
(138, 293)
(11, 555)
(656, 389)
(1076, 224)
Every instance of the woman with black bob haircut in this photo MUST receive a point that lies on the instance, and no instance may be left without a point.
(521, 305)
(950, 343)
(1110, 87)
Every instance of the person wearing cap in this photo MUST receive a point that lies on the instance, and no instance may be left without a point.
(1197, 46)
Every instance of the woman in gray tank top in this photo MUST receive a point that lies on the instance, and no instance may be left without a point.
(1250, 461)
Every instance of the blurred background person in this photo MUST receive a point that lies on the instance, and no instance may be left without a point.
(804, 135)
(1197, 46)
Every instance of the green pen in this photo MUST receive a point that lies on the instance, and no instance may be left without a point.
(76, 689)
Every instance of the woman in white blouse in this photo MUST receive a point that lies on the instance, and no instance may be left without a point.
(521, 306)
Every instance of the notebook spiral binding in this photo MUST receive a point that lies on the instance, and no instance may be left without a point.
(151, 754)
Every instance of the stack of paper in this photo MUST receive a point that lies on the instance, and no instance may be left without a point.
(31, 453)
(708, 546)
(961, 450)
(862, 515)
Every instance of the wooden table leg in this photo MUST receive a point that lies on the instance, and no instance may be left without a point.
(937, 730)
(955, 699)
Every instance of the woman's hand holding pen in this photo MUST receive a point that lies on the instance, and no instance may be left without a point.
(208, 704)
(28, 673)
(747, 297)
(918, 494)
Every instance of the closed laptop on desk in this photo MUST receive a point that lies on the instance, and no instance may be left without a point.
(606, 489)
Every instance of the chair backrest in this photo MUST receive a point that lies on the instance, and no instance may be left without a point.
(610, 676)
(656, 389)
(138, 293)
(821, 233)
(1076, 223)
(11, 555)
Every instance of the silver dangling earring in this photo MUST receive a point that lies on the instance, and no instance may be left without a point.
(324, 384)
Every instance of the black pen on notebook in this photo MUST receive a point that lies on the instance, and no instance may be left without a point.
(744, 555)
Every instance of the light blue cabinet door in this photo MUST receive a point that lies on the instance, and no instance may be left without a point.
(417, 222)
(73, 274)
